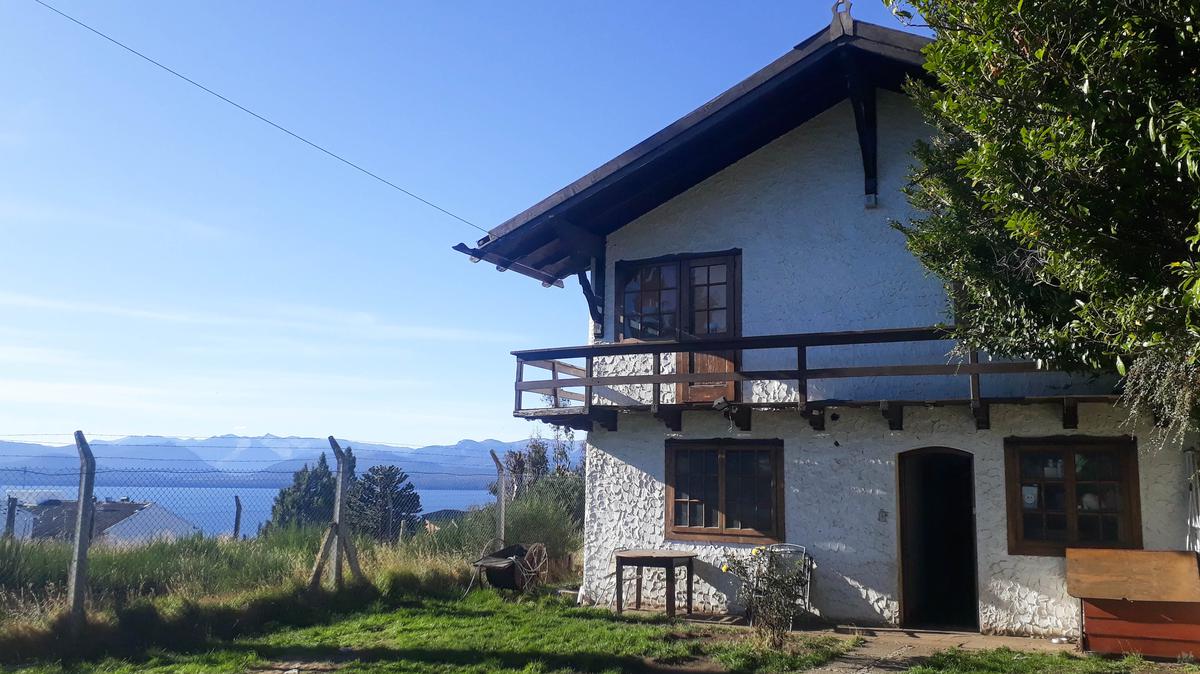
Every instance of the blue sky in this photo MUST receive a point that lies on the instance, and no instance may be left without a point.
(172, 266)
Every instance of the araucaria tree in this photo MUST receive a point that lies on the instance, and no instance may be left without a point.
(1060, 191)
(383, 503)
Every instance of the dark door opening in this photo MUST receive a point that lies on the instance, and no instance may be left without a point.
(937, 539)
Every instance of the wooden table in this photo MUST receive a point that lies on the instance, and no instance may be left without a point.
(656, 559)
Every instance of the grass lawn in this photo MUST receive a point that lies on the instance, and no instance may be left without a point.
(1022, 662)
(483, 633)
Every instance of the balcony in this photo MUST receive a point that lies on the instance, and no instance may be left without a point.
(579, 386)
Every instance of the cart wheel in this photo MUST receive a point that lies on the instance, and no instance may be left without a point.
(534, 566)
(493, 545)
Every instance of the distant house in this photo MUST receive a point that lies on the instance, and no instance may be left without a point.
(121, 522)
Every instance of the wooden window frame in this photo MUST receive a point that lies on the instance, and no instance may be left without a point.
(624, 269)
(1130, 482)
(719, 534)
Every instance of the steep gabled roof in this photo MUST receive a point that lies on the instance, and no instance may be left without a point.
(558, 236)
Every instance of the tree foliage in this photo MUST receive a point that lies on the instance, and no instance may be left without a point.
(1060, 192)
(383, 503)
(309, 500)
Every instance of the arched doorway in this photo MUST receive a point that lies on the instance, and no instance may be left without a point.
(937, 539)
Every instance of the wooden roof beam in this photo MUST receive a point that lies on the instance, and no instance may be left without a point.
(504, 264)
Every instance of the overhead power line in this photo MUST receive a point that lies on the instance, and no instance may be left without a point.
(261, 118)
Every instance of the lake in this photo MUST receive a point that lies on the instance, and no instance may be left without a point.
(212, 508)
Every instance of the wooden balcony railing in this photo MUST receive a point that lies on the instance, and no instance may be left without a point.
(574, 390)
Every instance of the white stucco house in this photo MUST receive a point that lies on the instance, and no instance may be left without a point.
(742, 258)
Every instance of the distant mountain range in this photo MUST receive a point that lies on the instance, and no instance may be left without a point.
(234, 460)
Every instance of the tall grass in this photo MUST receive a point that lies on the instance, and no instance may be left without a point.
(33, 574)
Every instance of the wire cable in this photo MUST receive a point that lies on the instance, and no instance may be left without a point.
(259, 117)
(293, 134)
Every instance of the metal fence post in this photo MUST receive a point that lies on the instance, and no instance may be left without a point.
(10, 520)
(237, 517)
(84, 512)
(501, 489)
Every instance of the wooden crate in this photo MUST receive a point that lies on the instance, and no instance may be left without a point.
(1137, 601)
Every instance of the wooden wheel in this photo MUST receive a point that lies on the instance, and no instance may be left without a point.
(493, 545)
(534, 566)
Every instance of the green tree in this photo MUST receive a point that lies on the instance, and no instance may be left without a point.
(309, 500)
(383, 503)
(1060, 192)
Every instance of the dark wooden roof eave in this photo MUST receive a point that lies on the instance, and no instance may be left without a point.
(532, 242)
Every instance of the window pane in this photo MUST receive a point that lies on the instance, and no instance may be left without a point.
(1031, 498)
(670, 276)
(1089, 528)
(1034, 530)
(668, 325)
(1097, 466)
(700, 323)
(1056, 527)
(650, 303)
(695, 488)
(716, 322)
(699, 276)
(716, 273)
(651, 278)
(699, 298)
(1110, 531)
(1042, 465)
(681, 514)
(716, 297)
(668, 300)
(1055, 497)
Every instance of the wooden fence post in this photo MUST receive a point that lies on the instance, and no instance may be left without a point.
(237, 517)
(84, 513)
(339, 495)
(337, 540)
(10, 519)
(501, 489)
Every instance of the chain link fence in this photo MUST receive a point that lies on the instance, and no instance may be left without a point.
(159, 525)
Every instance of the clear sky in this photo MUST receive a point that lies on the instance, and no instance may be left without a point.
(173, 266)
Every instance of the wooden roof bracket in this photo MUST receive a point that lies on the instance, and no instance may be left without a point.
(816, 418)
(894, 413)
(1070, 413)
(594, 302)
(862, 100)
(606, 418)
(740, 416)
(672, 417)
(980, 410)
(504, 264)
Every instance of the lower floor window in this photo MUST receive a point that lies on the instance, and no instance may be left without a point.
(725, 489)
(1071, 492)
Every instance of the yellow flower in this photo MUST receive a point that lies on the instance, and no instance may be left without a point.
(725, 568)
(755, 551)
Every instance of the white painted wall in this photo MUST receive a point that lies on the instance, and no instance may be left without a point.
(838, 483)
(814, 259)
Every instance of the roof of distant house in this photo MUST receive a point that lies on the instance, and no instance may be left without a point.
(56, 519)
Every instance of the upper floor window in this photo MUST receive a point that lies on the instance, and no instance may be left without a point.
(1072, 492)
(678, 297)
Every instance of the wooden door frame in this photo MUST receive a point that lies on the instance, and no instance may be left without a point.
(901, 509)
